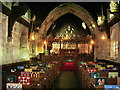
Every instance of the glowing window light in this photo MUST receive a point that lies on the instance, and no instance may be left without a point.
(66, 31)
(100, 20)
(93, 25)
(90, 27)
(114, 6)
(68, 26)
(111, 16)
(83, 25)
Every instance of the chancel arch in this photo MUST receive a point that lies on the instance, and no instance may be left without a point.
(63, 9)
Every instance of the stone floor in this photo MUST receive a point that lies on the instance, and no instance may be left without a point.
(67, 79)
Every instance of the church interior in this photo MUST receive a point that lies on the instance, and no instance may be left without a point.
(54, 45)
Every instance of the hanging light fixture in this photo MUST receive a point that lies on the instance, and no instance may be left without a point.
(103, 37)
(45, 42)
(91, 41)
(101, 18)
(32, 33)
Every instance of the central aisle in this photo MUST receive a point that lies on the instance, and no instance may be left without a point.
(67, 79)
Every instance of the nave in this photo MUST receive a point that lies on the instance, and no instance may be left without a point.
(67, 79)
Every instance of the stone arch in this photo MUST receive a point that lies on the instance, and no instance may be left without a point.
(63, 9)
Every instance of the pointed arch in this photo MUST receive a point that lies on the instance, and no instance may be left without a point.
(63, 9)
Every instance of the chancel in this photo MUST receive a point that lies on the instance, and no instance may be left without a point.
(52, 45)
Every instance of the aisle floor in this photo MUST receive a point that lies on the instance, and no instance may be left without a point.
(67, 79)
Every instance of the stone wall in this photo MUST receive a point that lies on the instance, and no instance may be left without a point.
(3, 39)
(109, 49)
(115, 42)
(16, 50)
(103, 49)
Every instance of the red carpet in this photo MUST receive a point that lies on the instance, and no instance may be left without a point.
(68, 66)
